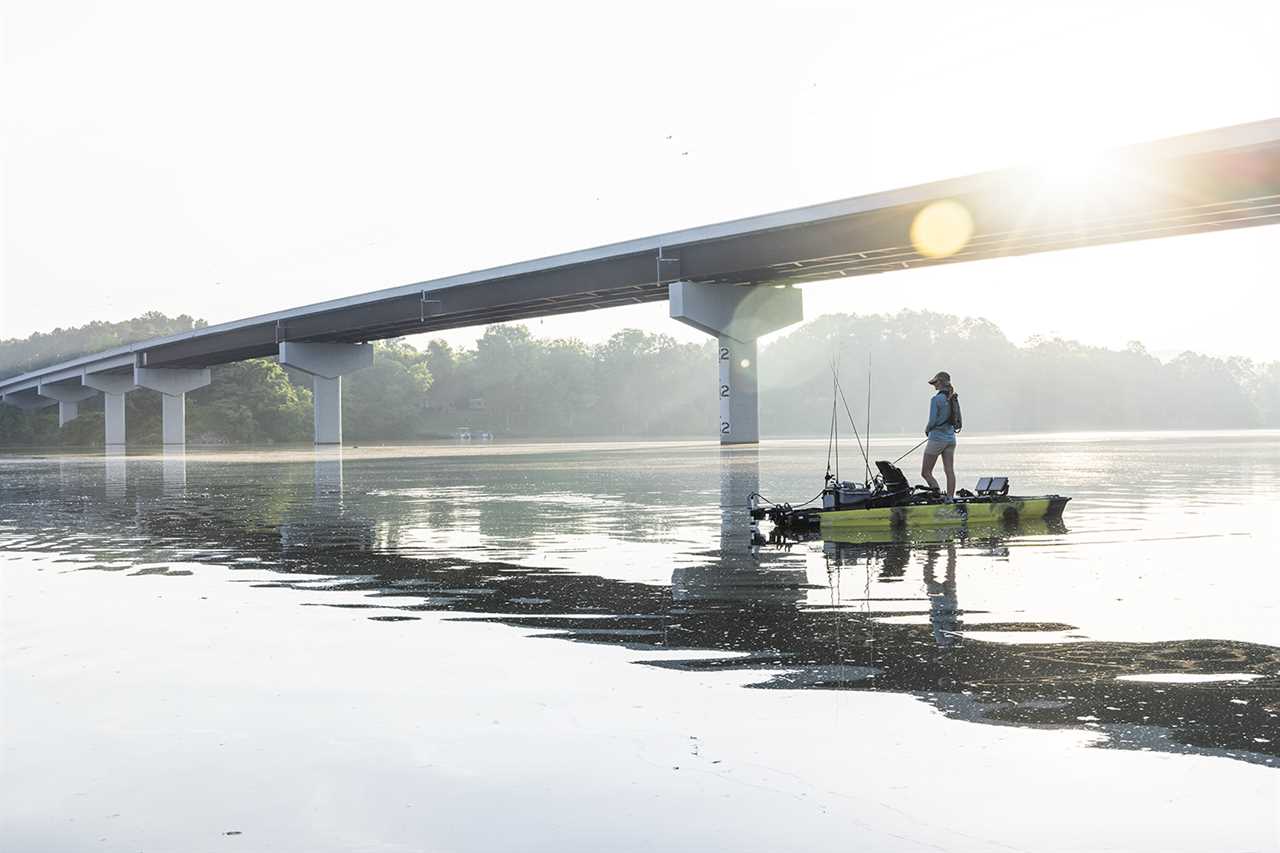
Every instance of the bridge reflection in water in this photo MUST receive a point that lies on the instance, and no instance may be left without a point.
(740, 608)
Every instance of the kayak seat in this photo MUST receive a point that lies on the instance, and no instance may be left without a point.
(894, 479)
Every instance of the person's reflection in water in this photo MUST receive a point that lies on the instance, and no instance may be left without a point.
(944, 613)
(730, 613)
(893, 568)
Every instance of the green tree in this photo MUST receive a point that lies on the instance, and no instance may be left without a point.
(251, 402)
(386, 401)
(20, 355)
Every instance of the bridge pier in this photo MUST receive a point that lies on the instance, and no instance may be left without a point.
(113, 387)
(738, 315)
(173, 383)
(113, 419)
(326, 363)
(69, 396)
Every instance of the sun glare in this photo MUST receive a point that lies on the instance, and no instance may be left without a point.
(1072, 174)
(941, 229)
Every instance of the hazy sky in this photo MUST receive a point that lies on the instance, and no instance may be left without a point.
(227, 159)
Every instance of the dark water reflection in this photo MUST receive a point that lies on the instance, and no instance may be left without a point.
(429, 535)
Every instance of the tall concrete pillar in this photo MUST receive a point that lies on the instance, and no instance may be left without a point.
(739, 396)
(327, 396)
(737, 315)
(114, 420)
(173, 383)
(69, 395)
(326, 363)
(113, 387)
(173, 419)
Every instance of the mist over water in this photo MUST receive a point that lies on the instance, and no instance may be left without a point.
(453, 647)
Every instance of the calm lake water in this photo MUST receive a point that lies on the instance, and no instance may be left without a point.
(574, 647)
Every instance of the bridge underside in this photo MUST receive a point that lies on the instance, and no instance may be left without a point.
(1182, 186)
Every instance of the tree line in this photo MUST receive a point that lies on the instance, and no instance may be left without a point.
(640, 384)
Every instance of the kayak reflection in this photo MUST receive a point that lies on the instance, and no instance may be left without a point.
(763, 618)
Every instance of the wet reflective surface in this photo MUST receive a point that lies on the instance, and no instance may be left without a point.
(366, 650)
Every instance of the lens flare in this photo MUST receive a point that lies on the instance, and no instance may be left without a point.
(941, 229)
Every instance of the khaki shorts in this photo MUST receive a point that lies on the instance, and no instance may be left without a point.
(937, 445)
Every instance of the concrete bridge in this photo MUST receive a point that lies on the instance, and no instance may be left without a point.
(733, 280)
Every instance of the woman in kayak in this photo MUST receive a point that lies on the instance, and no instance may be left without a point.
(941, 432)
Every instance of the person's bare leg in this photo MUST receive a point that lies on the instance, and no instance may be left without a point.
(926, 469)
(949, 466)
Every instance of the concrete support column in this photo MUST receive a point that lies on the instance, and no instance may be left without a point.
(67, 412)
(737, 315)
(113, 387)
(327, 364)
(739, 394)
(173, 419)
(327, 396)
(113, 416)
(173, 383)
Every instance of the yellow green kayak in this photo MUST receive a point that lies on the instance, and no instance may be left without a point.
(964, 511)
(890, 502)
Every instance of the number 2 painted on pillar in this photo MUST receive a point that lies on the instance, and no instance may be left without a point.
(724, 390)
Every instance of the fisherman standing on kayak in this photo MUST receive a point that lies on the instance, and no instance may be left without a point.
(944, 419)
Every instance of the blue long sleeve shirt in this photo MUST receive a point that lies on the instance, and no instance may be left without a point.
(939, 412)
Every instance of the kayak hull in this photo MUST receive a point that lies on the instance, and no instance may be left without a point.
(976, 511)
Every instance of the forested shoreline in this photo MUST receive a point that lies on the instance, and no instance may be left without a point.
(640, 384)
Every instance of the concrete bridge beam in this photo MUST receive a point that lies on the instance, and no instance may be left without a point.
(69, 395)
(27, 400)
(738, 315)
(113, 387)
(326, 363)
(173, 383)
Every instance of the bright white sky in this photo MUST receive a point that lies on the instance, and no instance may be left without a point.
(227, 159)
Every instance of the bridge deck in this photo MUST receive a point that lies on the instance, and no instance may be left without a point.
(1216, 180)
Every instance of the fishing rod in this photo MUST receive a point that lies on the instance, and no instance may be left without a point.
(839, 391)
(909, 452)
(866, 451)
(866, 457)
(833, 430)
